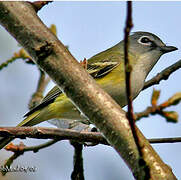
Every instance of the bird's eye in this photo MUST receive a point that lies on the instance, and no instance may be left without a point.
(145, 40)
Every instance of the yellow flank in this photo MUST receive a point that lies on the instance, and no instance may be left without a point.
(115, 77)
(63, 108)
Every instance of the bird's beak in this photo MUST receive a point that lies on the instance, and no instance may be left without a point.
(167, 49)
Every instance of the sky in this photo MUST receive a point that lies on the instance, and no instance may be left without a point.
(88, 28)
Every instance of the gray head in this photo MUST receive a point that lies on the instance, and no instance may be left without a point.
(147, 49)
(143, 42)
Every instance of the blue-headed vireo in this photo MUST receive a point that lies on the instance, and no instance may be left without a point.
(107, 68)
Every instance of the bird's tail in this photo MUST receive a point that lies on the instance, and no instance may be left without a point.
(29, 121)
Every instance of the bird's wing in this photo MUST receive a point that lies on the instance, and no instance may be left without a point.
(104, 62)
(100, 69)
(52, 94)
(49, 98)
(95, 69)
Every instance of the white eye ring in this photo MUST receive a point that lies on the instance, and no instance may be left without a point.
(145, 40)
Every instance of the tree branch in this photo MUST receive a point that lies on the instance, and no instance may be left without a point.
(171, 116)
(20, 19)
(6, 63)
(58, 134)
(21, 148)
(18, 55)
(78, 171)
(163, 75)
(38, 95)
(165, 140)
(128, 70)
(52, 133)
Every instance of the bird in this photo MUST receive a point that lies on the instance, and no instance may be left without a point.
(108, 69)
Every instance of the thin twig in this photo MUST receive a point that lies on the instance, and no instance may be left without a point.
(10, 161)
(21, 54)
(165, 140)
(78, 170)
(61, 134)
(52, 133)
(38, 95)
(5, 64)
(21, 148)
(170, 116)
(163, 75)
(128, 69)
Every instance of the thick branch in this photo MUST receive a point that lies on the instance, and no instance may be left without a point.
(21, 20)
